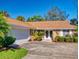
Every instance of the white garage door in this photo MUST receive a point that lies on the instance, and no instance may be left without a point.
(21, 35)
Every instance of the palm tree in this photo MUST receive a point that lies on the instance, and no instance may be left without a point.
(20, 18)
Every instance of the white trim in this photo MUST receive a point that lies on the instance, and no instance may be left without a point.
(55, 28)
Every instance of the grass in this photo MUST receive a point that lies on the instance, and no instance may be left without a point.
(13, 53)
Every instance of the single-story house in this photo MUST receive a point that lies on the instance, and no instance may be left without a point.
(21, 30)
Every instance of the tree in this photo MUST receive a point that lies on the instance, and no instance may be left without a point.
(4, 13)
(56, 14)
(5, 40)
(20, 18)
(35, 18)
(4, 26)
(74, 21)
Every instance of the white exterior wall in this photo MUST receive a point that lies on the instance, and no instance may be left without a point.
(70, 32)
(61, 33)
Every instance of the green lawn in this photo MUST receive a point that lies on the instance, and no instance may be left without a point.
(13, 53)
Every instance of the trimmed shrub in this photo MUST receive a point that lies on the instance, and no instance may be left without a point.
(57, 38)
(39, 38)
(61, 39)
(75, 39)
(8, 41)
(68, 38)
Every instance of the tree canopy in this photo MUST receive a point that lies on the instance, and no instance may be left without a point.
(4, 26)
(74, 21)
(35, 18)
(56, 14)
(20, 18)
(4, 13)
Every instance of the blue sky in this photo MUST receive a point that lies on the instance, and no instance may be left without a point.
(28, 8)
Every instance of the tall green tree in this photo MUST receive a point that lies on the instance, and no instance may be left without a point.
(35, 18)
(56, 14)
(74, 21)
(20, 18)
(4, 13)
(4, 26)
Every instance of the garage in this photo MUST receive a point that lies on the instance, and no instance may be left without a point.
(21, 35)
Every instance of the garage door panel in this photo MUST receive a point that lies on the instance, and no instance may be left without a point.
(20, 34)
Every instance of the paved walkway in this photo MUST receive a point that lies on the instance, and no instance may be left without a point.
(44, 50)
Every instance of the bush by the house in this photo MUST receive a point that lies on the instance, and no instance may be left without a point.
(59, 38)
(75, 37)
(68, 38)
(37, 36)
(6, 41)
(62, 38)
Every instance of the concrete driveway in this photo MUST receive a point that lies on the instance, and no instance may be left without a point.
(44, 50)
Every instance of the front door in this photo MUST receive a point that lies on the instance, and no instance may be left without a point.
(48, 34)
(51, 34)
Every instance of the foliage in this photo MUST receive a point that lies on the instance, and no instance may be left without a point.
(20, 18)
(74, 21)
(37, 36)
(8, 41)
(57, 38)
(2, 34)
(35, 18)
(56, 14)
(67, 38)
(75, 37)
(13, 53)
(77, 28)
(60, 38)
(4, 13)
(4, 27)
(1, 41)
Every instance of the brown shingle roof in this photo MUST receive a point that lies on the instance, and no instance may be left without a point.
(42, 24)
(51, 25)
(16, 22)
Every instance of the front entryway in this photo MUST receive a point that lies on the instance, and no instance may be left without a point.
(48, 36)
